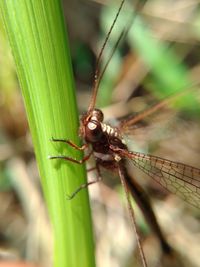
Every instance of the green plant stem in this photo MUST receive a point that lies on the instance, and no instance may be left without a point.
(38, 40)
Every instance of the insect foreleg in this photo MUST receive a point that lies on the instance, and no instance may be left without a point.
(83, 147)
(81, 161)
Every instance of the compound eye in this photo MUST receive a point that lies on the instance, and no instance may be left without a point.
(97, 114)
(94, 131)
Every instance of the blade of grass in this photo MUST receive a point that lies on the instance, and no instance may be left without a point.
(38, 40)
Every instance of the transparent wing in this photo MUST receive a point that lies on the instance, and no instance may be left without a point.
(181, 179)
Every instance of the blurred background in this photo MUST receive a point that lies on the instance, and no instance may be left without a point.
(157, 58)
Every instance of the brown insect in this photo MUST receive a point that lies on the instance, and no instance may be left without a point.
(110, 151)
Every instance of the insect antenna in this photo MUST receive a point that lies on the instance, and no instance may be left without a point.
(109, 59)
(122, 35)
(96, 76)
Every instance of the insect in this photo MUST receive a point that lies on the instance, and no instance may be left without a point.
(107, 145)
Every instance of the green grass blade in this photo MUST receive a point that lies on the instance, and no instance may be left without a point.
(37, 36)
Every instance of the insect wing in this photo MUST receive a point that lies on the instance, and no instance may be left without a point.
(181, 179)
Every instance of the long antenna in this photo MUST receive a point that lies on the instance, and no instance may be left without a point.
(122, 35)
(98, 76)
(96, 83)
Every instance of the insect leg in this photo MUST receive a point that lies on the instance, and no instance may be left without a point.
(92, 169)
(122, 174)
(99, 178)
(81, 161)
(83, 147)
(144, 203)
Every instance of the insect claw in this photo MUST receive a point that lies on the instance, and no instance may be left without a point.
(53, 157)
(70, 197)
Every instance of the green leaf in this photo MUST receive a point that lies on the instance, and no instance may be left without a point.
(38, 40)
